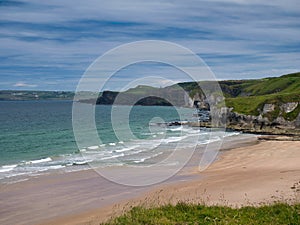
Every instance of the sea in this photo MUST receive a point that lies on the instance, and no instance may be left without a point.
(37, 138)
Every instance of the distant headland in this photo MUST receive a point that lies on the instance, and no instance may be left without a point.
(267, 105)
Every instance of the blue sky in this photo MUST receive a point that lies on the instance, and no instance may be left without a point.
(47, 45)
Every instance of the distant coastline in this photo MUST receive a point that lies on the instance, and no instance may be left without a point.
(23, 95)
(264, 106)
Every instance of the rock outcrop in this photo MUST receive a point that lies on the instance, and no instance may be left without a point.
(263, 123)
(289, 107)
(287, 121)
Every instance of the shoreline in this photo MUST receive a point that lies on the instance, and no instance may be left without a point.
(255, 183)
(85, 197)
(250, 186)
(59, 195)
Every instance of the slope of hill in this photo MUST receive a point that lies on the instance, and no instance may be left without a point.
(255, 105)
(247, 97)
(253, 95)
(268, 105)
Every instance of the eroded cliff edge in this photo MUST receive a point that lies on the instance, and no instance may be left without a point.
(269, 105)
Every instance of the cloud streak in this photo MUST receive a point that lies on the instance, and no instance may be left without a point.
(55, 41)
(22, 84)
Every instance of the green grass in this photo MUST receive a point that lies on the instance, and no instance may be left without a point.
(246, 105)
(244, 96)
(249, 96)
(198, 214)
(274, 85)
(253, 105)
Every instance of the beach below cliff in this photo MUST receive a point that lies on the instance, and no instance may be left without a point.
(246, 172)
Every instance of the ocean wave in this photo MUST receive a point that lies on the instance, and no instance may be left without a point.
(229, 134)
(93, 147)
(7, 168)
(112, 157)
(80, 163)
(22, 170)
(173, 139)
(134, 151)
(209, 140)
(147, 134)
(192, 131)
(175, 129)
(56, 167)
(16, 174)
(127, 149)
(48, 159)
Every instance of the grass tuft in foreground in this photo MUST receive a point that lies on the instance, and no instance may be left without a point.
(184, 213)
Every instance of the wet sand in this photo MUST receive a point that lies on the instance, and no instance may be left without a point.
(249, 174)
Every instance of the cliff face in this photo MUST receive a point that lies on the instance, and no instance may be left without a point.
(266, 122)
(269, 105)
(145, 96)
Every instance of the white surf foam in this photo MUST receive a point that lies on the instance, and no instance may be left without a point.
(56, 167)
(48, 159)
(16, 174)
(176, 129)
(93, 147)
(127, 149)
(112, 157)
(229, 134)
(173, 139)
(79, 163)
(7, 168)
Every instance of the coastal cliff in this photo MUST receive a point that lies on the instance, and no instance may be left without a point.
(265, 106)
(264, 123)
(269, 105)
(261, 124)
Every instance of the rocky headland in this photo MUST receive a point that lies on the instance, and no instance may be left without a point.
(264, 106)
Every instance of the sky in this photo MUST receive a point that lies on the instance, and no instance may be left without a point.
(48, 45)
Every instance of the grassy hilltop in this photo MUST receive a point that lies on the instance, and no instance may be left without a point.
(249, 96)
(244, 96)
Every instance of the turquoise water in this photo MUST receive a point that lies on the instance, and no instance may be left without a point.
(37, 136)
(35, 129)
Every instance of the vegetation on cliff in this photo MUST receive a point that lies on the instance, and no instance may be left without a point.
(246, 97)
(250, 96)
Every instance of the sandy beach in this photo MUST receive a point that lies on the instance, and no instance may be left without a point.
(249, 172)
(259, 174)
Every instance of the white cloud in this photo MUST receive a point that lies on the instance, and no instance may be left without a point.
(22, 84)
(58, 39)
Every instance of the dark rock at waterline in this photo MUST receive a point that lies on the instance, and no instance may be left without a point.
(252, 124)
